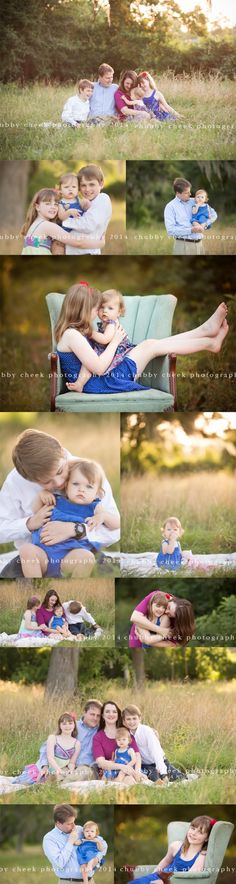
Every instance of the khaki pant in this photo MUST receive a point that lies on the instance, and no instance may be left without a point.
(182, 247)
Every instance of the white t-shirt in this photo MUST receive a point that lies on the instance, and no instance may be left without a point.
(75, 110)
(93, 223)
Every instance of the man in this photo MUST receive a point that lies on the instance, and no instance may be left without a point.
(102, 103)
(40, 463)
(188, 235)
(59, 846)
(87, 727)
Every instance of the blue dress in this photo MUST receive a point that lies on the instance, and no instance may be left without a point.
(177, 865)
(121, 756)
(122, 349)
(170, 561)
(202, 215)
(57, 621)
(86, 851)
(153, 104)
(119, 380)
(65, 511)
(158, 623)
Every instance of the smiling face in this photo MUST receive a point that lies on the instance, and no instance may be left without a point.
(196, 836)
(47, 209)
(67, 726)
(106, 79)
(171, 608)
(90, 187)
(157, 609)
(57, 480)
(131, 720)
(110, 714)
(86, 93)
(109, 309)
(69, 188)
(80, 489)
(92, 716)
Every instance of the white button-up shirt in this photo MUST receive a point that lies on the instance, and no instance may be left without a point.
(150, 747)
(75, 110)
(62, 854)
(92, 223)
(177, 216)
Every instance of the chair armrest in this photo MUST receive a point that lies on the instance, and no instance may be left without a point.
(173, 381)
(53, 380)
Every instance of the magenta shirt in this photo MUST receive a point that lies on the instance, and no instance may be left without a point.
(142, 607)
(103, 746)
(120, 102)
(44, 616)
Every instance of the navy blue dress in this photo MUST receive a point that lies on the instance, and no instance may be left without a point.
(65, 511)
(177, 865)
(170, 561)
(153, 104)
(119, 380)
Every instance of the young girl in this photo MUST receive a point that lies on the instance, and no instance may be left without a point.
(73, 333)
(39, 230)
(201, 210)
(89, 847)
(170, 555)
(81, 503)
(29, 626)
(184, 856)
(62, 753)
(179, 613)
(154, 100)
(156, 613)
(111, 307)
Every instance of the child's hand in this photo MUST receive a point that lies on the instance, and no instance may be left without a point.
(40, 518)
(74, 213)
(96, 520)
(85, 204)
(47, 498)
(120, 334)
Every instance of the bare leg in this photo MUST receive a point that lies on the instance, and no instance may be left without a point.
(78, 563)
(34, 561)
(183, 345)
(84, 873)
(81, 380)
(211, 327)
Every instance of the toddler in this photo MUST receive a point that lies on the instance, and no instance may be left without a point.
(88, 849)
(76, 108)
(111, 307)
(81, 503)
(170, 555)
(58, 621)
(124, 754)
(200, 209)
(70, 206)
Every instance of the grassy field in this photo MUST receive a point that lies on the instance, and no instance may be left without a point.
(207, 106)
(153, 240)
(32, 866)
(204, 503)
(200, 742)
(97, 596)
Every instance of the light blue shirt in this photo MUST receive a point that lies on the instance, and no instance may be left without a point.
(177, 217)
(62, 854)
(85, 737)
(102, 100)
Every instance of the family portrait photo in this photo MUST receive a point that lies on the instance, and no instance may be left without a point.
(201, 842)
(58, 510)
(141, 335)
(178, 495)
(55, 841)
(146, 82)
(58, 208)
(117, 727)
(35, 614)
(151, 613)
(181, 208)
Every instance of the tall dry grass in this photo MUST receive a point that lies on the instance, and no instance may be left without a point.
(204, 502)
(97, 595)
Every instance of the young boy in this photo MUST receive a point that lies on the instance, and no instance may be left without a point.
(77, 617)
(95, 220)
(76, 108)
(152, 755)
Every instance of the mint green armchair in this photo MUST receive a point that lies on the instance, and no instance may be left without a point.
(147, 316)
(218, 841)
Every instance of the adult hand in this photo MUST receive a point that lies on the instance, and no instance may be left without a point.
(73, 837)
(39, 518)
(56, 532)
(196, 227)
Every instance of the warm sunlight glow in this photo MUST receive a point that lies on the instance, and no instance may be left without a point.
(222, 12)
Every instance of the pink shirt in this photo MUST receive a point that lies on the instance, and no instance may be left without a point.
(142, 607)
(103, 746)
(120, 102)
(43, 615)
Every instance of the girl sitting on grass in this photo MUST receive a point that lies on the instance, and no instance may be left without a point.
(39, 231)
(29, 626)
(154, 100)
(63, 749)
(186, 856)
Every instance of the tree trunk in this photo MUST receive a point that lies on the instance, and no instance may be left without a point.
(139, 668)
(13, 197)
(63, 672)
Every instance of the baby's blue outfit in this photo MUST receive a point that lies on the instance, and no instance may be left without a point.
(65, 511)
(153, 104)
(202, 215)
(170, 561)
(70, 204)
(177, 865)
(57, 621)
(86, 851)
(119, 380)
(121, 756)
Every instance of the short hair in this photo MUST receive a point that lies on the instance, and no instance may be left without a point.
(123, 732)
(91, 171)
(67, 177)
(90, 823)
(90, 470)
(75, 607)
(131, 710)
(113, 295)
(181, 184)
(36, 454)
(82, 84)
(105, 69)
(63, 812)
(175, 523)
(201, 190)
(92, 702)
(32, 602)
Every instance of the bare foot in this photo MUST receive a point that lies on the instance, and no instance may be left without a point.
(212, 325)
(217, 341)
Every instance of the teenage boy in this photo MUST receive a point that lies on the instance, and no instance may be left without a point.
(59, 846)
(41, 463)
(154, 765)
(95, 220)
(188, 235)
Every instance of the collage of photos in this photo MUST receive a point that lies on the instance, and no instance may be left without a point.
(118, 442)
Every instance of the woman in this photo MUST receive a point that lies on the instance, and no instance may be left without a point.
(104, 742)
(74, 346)
(182, 625)
(125, 105)
(45, 612)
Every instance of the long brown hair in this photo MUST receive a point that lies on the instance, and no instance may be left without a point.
(131, 75)
(76, 310)
(48, 595)
(200, 822)
(66, 716)
(119, 722)
(42, 196)
(157, 598)
(184, 623)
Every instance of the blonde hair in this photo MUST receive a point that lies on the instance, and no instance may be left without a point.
(123, 732)
(201, 190)
(91, 823)
(144, 75)
(81, 85)
(67, 177)
(175, 523)
(76, 310)
(131, 710)
(36, 454)
(113, 295)
(90, 470)
(91, 171)
(42, 196)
